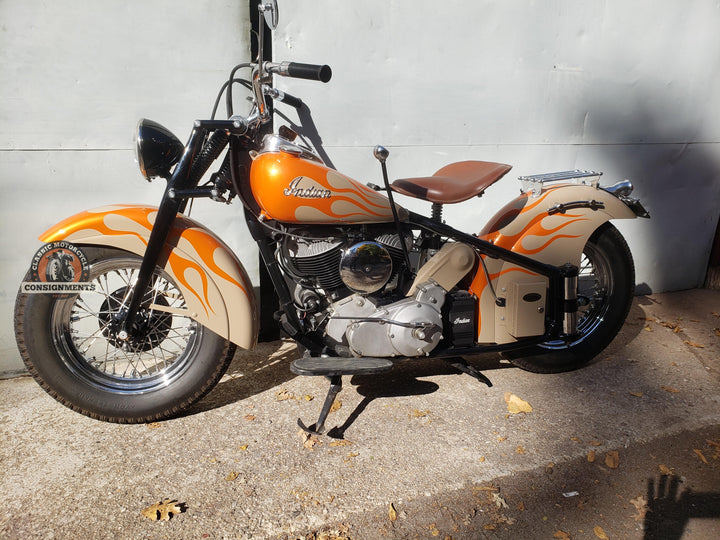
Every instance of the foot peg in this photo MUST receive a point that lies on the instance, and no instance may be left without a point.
(462, 365)
(334, 368)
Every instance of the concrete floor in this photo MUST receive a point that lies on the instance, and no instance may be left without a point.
(428, 453)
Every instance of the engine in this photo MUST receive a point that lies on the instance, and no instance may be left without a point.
(347, 286)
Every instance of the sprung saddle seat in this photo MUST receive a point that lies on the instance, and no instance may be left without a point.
(453, 183)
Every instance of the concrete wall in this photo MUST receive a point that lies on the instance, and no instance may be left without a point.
(628, 88)
(75, 76)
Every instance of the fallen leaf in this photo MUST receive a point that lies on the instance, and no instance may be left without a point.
(576, 439)
(516, 405)
(649, 319)
(521, 506)
(419, 414)
(701, 456)
(232, 476)
(164, 510)
(154, 425)
(595, 443)
(243, 447)
(501, 439)
(309, 440)
(336, 405)
(392, 513)
(715, 314)
(717, 332)
(283, 395)
(340, 442)
(549, 468)
(612, 459)
(648, 329)
(499, 501)
(665, 470)
(591, 456)
(670, 389)
(482, 459)
(490, 527)
(561, 535)
(600, 533)
(249, 417)
(520, 450)
(308, 397)
(636, 394)
(351, 455)
(641, 505)
(693, 344)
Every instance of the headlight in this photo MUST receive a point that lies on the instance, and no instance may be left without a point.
(156, 149)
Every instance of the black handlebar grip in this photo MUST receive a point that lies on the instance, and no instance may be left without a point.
(291, 100)
(313, 72)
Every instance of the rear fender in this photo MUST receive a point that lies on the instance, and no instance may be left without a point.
(217, 290)
(543, 229)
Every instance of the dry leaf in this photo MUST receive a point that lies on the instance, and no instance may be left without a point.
(612, 459)
(648, 329)
(482, 459)
(164, 510)
(501, 439)
(308, 397)
(595, 443)
(715, 314)
(232, 476)
(283, 395)
(600, 533)
(576, 439)
(670, 389)
(249, 417)
(336, 405)
(693, 344)
(154, 425)
(701, 456)
(636, 394)
(562, 535)
(340, 442)
(419, 414)
(641, 505)
(516, 405)
(499, 501)
(392, 513)
(591, 456)
(520, 450)
(665, 470)
(243, 447)
(351, 455)
(717, 332)
(308, 440)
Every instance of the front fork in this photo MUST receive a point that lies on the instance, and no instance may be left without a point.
(172, 203)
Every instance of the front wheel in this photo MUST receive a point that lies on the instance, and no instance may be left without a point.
(606, 283)
(69, 346)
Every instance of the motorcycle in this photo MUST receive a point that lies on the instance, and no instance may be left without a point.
(150, 320)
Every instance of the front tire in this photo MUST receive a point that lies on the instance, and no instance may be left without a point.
(69, 347)
(606, 282)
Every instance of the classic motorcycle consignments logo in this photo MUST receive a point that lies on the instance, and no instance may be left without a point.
(297, 189)
(60, 269)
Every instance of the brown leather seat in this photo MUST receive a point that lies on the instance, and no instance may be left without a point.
(453, 183)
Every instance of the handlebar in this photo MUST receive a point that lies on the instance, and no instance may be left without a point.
(312, 72)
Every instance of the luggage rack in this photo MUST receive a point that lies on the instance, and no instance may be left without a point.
(536, 182)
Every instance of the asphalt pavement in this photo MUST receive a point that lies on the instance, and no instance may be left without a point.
(628, 447)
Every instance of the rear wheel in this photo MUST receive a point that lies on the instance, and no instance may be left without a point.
(606, 283)
(71, 347)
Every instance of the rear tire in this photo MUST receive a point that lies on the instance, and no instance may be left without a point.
(69, 347)
(607, 282)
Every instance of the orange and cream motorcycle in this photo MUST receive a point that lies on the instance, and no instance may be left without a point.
(152, 305)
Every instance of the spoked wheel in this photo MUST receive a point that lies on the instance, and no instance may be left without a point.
(606, 283)
(77, 352)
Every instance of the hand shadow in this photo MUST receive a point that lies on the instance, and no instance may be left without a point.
(668, 514)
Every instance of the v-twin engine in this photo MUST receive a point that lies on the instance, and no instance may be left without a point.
(409, 327)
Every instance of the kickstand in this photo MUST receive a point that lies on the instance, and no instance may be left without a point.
(461, 365)
(319, 426)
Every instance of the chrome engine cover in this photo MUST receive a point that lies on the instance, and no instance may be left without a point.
(408, 327)
(365, 267)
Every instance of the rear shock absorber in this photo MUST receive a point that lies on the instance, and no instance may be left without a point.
(570, 301)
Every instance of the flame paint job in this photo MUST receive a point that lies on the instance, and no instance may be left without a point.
(294, 190)
(524, 226)
(216, 287)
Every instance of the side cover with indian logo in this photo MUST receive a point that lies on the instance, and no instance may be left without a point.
(295, 190)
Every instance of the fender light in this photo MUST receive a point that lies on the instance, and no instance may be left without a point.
(157, 150)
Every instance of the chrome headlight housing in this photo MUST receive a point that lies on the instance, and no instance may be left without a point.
(157, 150)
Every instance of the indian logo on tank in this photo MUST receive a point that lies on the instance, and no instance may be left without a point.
(306, 188)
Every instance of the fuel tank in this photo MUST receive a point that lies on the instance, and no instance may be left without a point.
(295, 187)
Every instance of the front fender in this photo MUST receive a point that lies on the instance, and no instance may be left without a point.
(215, 285)
(532, 227)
